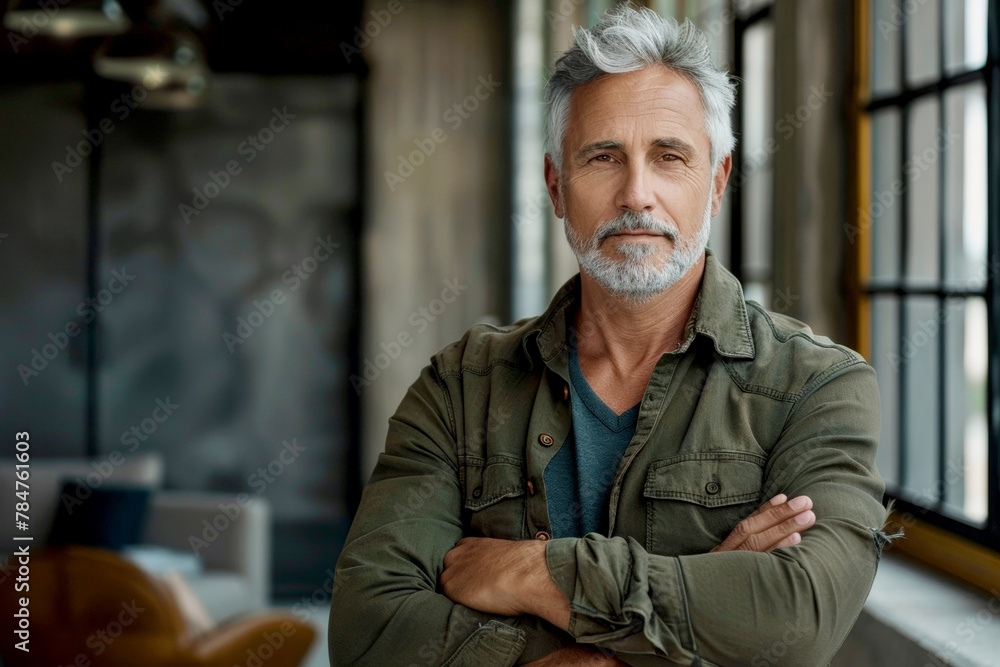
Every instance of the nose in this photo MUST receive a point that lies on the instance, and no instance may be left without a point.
(635, 193)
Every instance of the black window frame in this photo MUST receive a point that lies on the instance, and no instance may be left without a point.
(933, 512)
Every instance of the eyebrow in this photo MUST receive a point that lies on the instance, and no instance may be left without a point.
(617, 145)
(672, 142)
(602, 146)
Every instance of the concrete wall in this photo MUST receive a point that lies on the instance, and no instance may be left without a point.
(437, 206)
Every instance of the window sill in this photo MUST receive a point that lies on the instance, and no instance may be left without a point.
(914, 616)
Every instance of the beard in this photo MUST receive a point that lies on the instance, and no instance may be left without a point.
(640, 274)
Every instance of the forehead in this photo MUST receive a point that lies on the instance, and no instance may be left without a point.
(654, 101)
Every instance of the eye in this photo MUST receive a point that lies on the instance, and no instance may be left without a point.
(604, 157)
(670, 157)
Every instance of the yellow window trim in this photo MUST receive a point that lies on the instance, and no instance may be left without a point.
(944, 551)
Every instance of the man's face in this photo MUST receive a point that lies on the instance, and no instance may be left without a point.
(637, 187)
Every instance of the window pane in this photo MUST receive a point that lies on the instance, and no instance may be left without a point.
(921, 22)
(885, 359)
(715, 20)
(921, 173)
(759, 291)
(966, 265)
(884, 48)
(918, 354)
(882, 216)
(746, 7)
(756, 177)
(966, 467)
(596, 9)
(965, 34)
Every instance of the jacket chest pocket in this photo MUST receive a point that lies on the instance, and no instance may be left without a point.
(694, 501)
(493, 497)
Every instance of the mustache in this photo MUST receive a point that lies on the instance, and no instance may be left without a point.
(631, 221)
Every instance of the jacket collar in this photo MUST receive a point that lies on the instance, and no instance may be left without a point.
(720, 313)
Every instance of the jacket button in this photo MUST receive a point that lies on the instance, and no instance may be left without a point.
(543, 536)
(712, 488)
(546, 440)
(531, 488)
(565, 392)
(476, 492)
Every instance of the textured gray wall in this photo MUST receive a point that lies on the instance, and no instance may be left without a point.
(162, 336)
(41, 267)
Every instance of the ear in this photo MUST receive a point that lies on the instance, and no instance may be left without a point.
(553, 184)
(719, 181)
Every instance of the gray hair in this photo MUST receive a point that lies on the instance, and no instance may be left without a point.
(628, 39)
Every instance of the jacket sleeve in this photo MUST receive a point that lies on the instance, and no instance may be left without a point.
(386, 606)
(791, 606)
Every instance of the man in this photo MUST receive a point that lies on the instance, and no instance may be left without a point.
(654, 471)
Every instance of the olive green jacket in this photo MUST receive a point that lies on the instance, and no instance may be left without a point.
(751, 405)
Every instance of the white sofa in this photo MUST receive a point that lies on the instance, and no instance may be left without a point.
(236, 561)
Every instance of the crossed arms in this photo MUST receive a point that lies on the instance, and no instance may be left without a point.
(511, 577)
(409, 590)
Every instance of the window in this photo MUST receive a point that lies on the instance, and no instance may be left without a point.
(927, 232)
(752, 180)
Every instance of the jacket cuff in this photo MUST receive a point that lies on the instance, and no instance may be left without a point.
(613, 600)
(493, 643)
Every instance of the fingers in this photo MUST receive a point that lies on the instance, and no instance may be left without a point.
(771, 525)
(786, 533)
(789, 541)
(773, 502)
(772, 514)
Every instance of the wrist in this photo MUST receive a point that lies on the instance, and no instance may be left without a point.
(532, 578)
(538, 594)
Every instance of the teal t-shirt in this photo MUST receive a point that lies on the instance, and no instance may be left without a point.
(578, 478)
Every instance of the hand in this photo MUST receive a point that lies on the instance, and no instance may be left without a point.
(507, 577)
(577, 655)
(777, 523)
